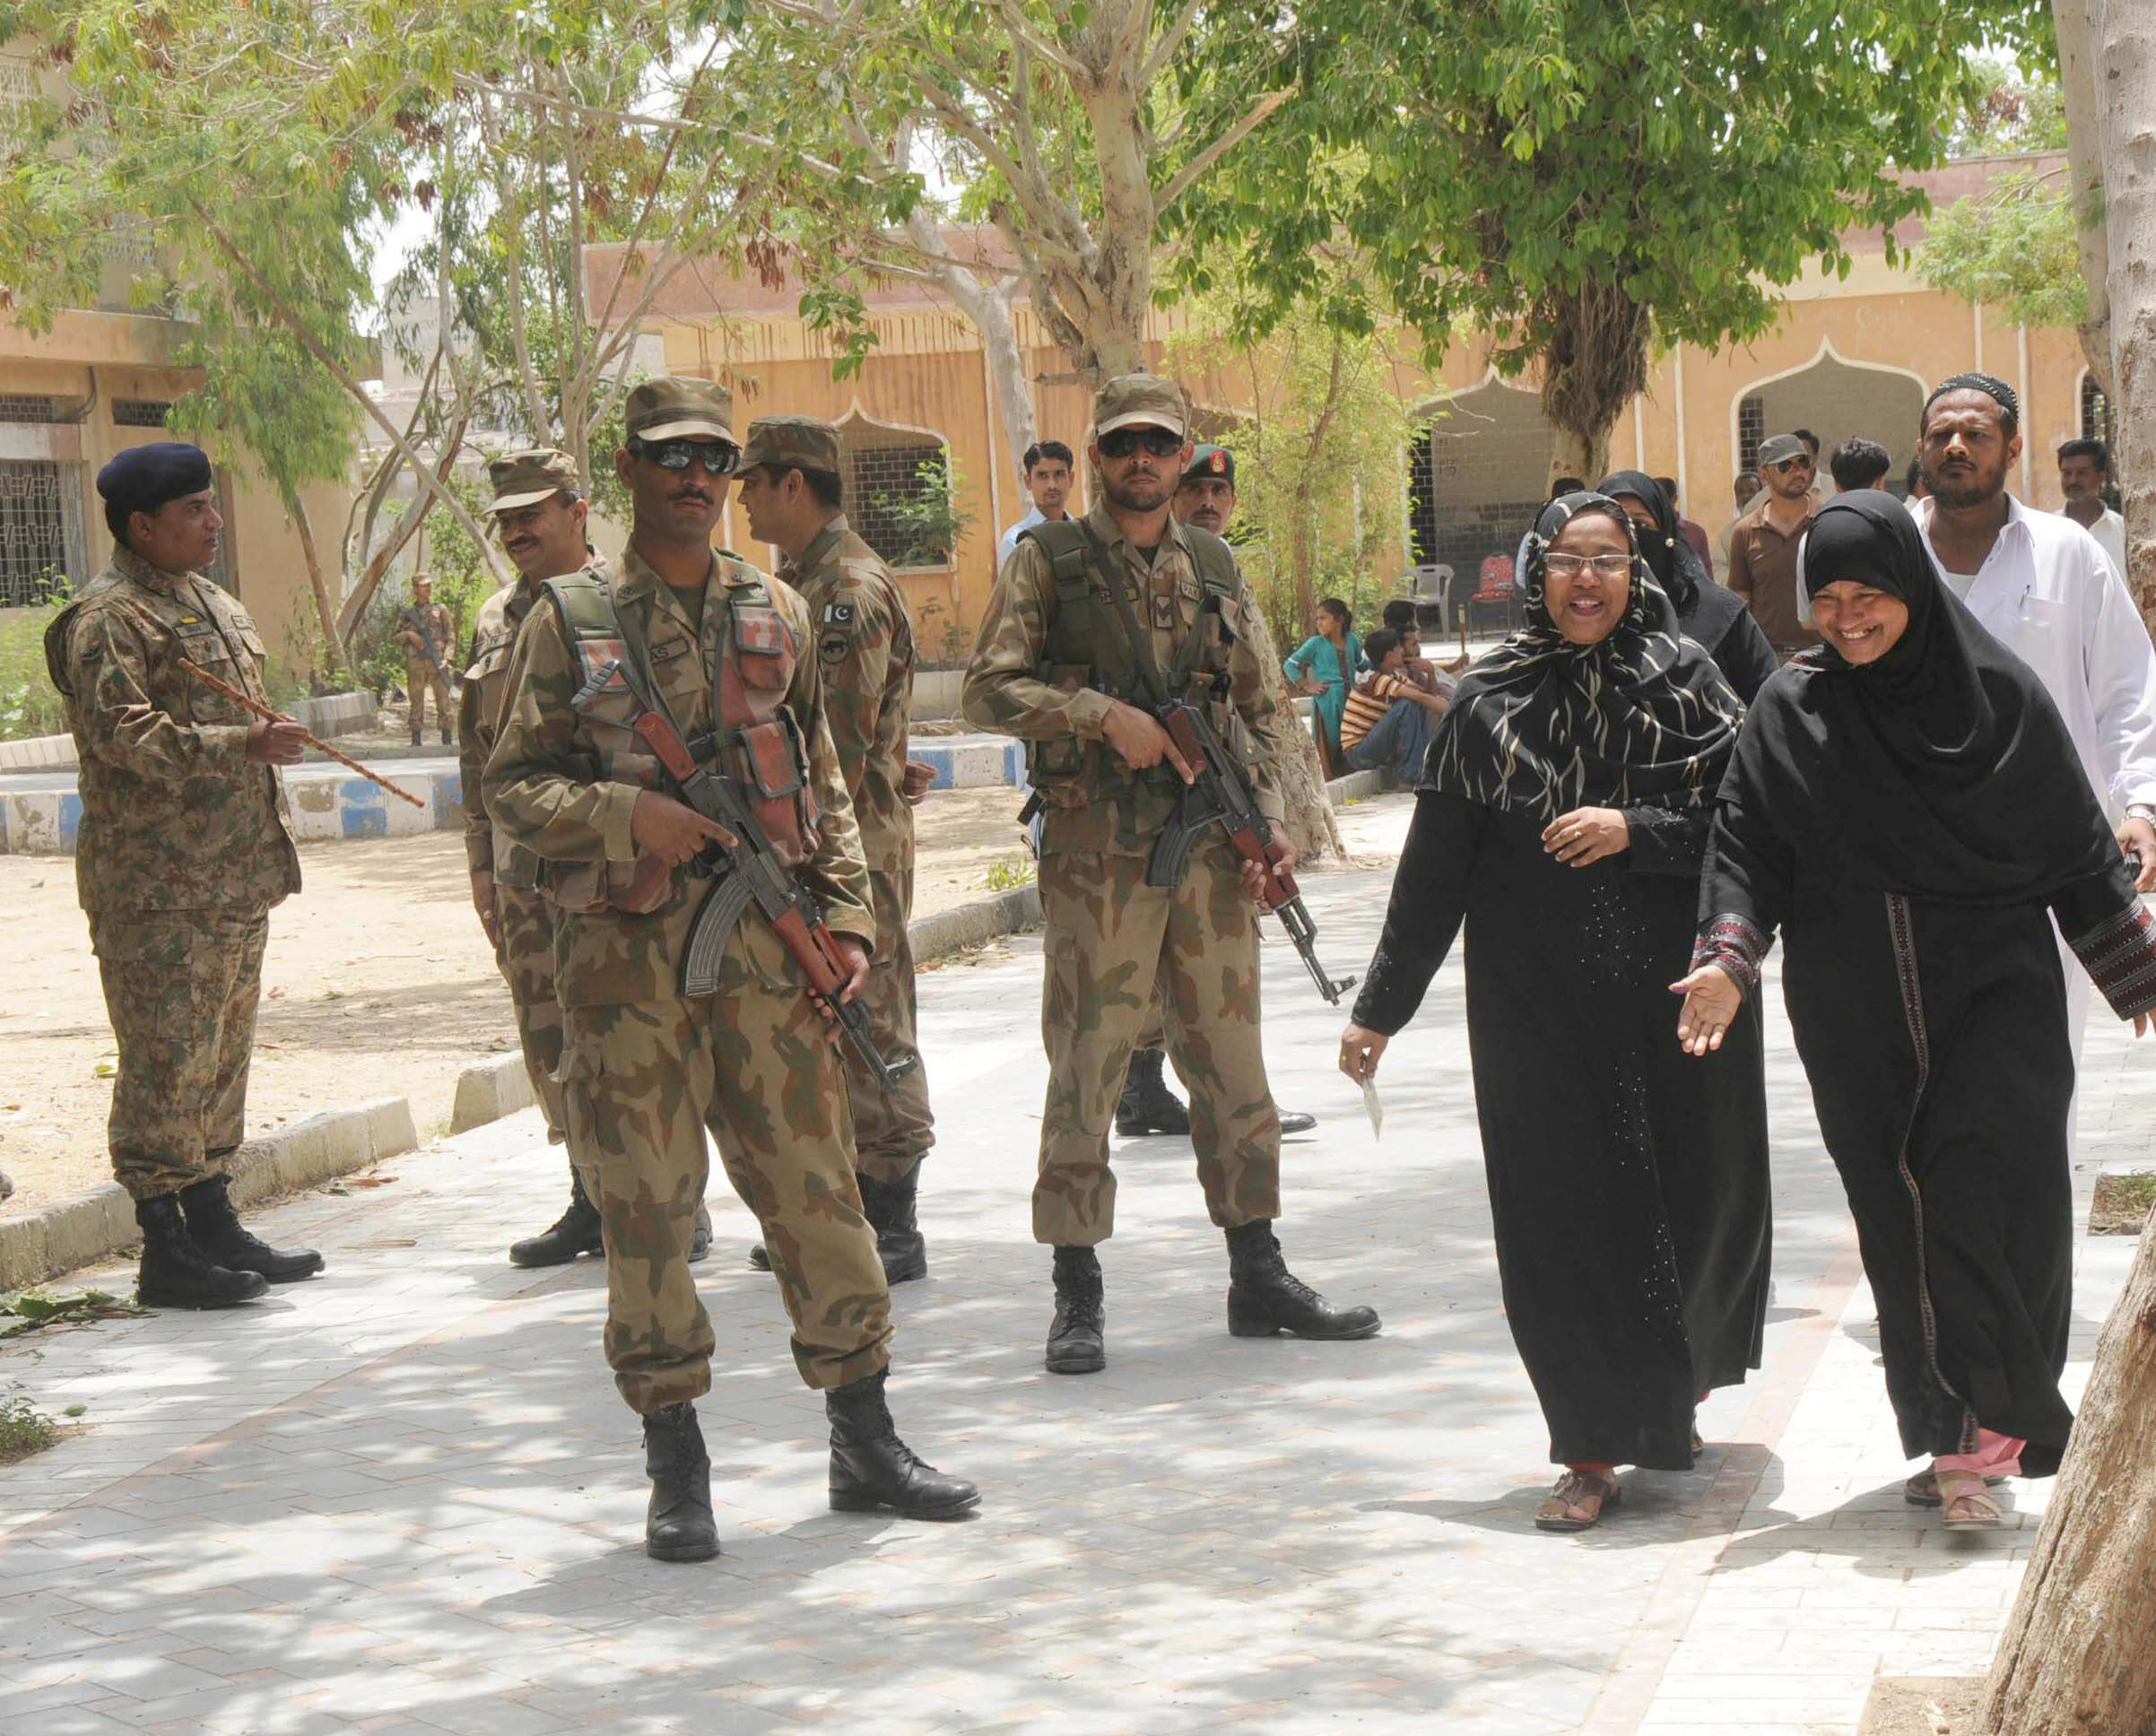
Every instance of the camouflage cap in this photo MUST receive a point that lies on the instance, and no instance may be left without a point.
(668, 409)
(1138, 400)
(791, 443)
(1210, 460)
(526, 478)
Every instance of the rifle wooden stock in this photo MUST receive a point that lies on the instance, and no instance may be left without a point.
(306, 735)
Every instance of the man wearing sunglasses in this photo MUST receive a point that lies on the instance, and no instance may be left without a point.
(647, 1068)
(1762, 547)
(1087, 617)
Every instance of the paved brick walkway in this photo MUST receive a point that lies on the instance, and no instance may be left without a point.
(404, 1498)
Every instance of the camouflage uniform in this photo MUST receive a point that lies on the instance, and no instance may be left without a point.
(524, 921)
(865, 651)
(1111, 938)
(645, 1072)
(184, 847)
(422, 676)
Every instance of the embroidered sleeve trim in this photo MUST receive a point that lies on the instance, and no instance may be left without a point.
(2120, 957)
(1736, 943)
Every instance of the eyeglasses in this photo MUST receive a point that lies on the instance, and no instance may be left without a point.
(1787, 464)
(1123, 441)
(1606, 566)
(718, 457)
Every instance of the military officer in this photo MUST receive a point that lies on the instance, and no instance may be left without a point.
(540, 514)
(425, 632)
(1205, 498)
(792, 490)
(1060, 657)
(186, 844)
(647, 1068)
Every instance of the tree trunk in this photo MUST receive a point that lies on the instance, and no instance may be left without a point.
(1594, 365)
(2085, 174)
(325, 611)
(1585, 456)
(989, 307)
(1311, 827)
(2075, 1659)
(2125, 99)
(409, 526)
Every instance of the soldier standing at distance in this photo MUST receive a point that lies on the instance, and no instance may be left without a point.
(186, 844)
(540, 517)
(646, 1071)
(425, 632)
(1057, 664)
(792, 493)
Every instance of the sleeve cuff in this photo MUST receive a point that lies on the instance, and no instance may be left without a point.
(1269, 804)
(861, 927)
(225, 743)
(2120, 958)
(1089, 712)
(1737, 944)
(617, 801)
(479, 852)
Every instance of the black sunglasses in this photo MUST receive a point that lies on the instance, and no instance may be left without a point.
(1123, 441)
(718, 457)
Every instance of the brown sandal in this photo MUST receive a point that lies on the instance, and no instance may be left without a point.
(1922, 1490)
(1966, 1505)
(1577, 1501)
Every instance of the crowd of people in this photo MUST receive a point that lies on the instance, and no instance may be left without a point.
(689, 799)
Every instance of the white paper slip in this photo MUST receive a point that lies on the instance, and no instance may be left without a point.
(1375, 1108)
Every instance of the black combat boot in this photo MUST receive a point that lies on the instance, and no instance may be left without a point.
(1297, 1121)
(415, 738)
(760, 1257)
(1078, 1335)
(177, 1274)
(678, 1525)
(575, 1231)
(1265, 1297)
(889, 1208)
(871, 1467)
(224, 1239)
(445, 738)
(1147, 1105)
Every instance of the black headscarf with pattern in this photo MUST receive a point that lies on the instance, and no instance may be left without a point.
(1544, 725)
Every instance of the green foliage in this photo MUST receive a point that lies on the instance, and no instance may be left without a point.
(1318, 454)
(1576, 180)
(2007, 113)
(24, 1429)
(1008, 873)
(2012, 248)
(930, 521)
(29, 1311)
(28, 703)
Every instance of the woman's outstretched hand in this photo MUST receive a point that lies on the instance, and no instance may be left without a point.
(1358, 1051)
(1711, 999)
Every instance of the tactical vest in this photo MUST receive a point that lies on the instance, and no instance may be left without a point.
(758, 741)
(1088, 646)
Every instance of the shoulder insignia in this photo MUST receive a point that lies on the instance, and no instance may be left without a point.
(833, 646)
(840, 613)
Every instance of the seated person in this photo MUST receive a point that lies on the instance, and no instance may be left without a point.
(1389, 714)
(1426, 673)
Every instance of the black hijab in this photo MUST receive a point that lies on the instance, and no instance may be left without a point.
(1943, 769)
(1706, 610)
(1544, 725)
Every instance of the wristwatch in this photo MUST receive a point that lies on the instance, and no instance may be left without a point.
(2141, 811)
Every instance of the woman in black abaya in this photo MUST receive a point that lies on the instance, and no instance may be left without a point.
(1907, 809)
(1561, 820)
(1711, 615)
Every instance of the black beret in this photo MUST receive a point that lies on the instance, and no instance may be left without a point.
(143, 478)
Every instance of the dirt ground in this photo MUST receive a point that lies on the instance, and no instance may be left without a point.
(378, 983)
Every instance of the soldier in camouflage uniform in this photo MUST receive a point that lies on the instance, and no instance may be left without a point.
(539, 515)
(1059, 659)
(792, 491)
(646, 1068)
(185, 843)
(426, 670)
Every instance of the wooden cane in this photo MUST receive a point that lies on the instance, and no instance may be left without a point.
(306, 735)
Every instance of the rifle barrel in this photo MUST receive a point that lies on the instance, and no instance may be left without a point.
(306, 735)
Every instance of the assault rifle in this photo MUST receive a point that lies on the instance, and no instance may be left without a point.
(750, 871)
(417, 622)
(1220, 794)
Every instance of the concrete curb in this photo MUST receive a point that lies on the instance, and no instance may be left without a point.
(1356, 786)
(69, 1233)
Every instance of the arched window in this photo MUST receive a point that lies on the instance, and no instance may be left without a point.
(1751, 429)
(1478, 477)
(2097, 423)
(898, 492)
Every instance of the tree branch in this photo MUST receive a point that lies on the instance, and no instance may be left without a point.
(1184, 178)
(1165, 44)
(1025, 36)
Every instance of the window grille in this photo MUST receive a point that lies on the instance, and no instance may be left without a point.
(28, 407)
(887, 495)
(1751, 429)
(140, 412)
(2096, 413)
(41, 529)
